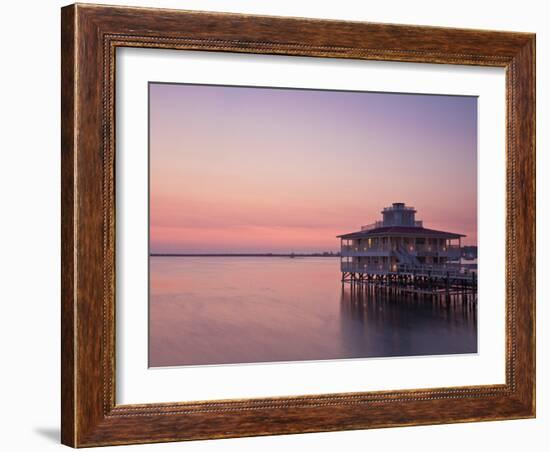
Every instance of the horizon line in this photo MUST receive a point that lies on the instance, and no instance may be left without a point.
(316, 253)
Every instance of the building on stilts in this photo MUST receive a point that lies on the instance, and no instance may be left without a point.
(399, 252)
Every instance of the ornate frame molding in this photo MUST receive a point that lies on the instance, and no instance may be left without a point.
(90, 37)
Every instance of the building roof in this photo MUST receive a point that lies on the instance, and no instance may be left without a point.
(400, 231)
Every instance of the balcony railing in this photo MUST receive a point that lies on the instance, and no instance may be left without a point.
(365, 249)
(429, 248)
(441, 270)
(444, 270)
(449, 251)
(354, 267)
(380, 224)
(391, 208)
(375, 225)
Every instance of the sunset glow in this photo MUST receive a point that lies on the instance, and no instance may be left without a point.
(259, 170)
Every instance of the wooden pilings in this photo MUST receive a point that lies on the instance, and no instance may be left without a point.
(399, 284)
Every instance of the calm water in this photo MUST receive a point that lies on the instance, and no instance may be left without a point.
(216, 310)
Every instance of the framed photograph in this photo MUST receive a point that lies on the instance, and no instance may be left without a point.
(280, 225)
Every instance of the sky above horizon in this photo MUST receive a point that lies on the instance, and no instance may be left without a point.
(240, 169)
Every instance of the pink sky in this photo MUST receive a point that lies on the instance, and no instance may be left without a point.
(274, 170)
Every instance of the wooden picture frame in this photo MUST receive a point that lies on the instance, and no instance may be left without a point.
(90, 36)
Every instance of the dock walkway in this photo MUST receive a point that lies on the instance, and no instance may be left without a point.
(445, 280)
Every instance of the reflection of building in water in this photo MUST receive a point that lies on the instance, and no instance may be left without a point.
(399, 251)
(367, 297)
(434, 326)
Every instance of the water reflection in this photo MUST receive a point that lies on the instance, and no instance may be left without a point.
(384, 323)
(247, 310)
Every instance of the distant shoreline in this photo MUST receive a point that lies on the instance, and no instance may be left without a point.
(244, 255)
